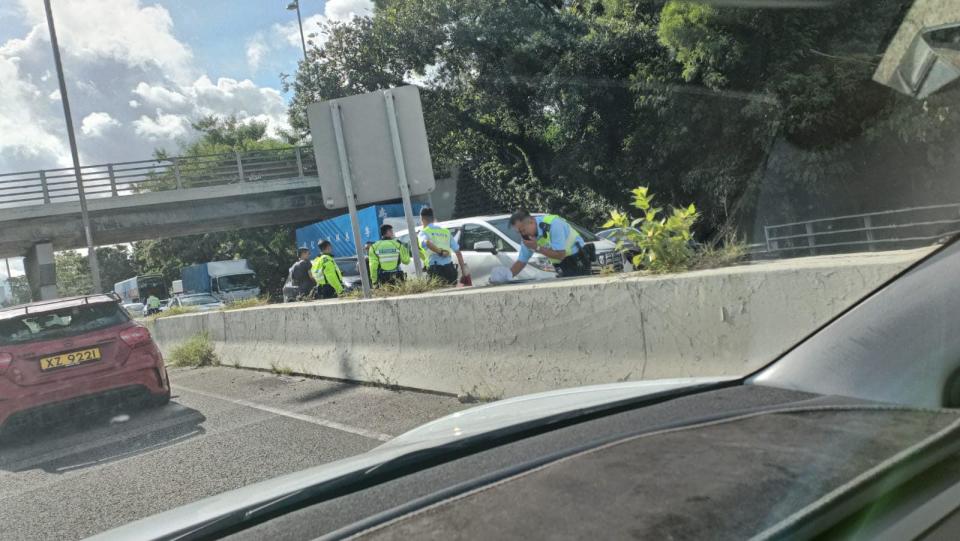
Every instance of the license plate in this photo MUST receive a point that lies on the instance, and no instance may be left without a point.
(70, 359)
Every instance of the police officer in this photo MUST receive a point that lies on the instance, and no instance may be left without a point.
(153, 304)
(385, 257)
(554, 238)
(326, 272)
(439, 245)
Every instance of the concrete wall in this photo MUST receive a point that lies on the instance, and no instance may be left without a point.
(510, 340)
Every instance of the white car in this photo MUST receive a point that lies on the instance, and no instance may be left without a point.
(488, 242)
(202, 302)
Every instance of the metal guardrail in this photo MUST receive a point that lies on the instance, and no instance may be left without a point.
(888, 229)
(129, 178)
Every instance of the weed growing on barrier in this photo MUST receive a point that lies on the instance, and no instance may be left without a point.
(410, 286)
(727, 252)
(173, 311)
(664, 244)
(247, 303)
(197, 351)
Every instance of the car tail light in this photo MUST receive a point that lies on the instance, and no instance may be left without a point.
(135, 336)
(6, 360)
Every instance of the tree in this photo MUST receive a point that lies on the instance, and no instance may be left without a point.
(19, 290)
(73, 274)
(270, 250)
(116, 265)
(565, 106)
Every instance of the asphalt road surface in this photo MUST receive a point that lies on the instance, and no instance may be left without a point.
(225, 428)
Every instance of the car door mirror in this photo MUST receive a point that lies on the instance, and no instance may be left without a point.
(484, 246)
(921, 62)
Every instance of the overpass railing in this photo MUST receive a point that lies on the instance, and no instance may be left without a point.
(885, 230)
(161, 174)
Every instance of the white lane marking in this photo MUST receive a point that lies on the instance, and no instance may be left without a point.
(291, 414)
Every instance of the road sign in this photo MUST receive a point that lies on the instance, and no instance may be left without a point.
(369, 149)
(369, 146)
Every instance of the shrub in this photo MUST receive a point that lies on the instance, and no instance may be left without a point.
(196, 352)
(664, 244)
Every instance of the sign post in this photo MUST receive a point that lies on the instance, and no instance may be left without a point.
(351, 199)
(379, 140)
(402, 181)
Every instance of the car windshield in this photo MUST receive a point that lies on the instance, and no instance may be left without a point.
(744, 173)
(197, 300)
(348, 267)
(235, 282)
(60, 324)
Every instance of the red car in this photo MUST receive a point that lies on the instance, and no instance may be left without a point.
(64, 357)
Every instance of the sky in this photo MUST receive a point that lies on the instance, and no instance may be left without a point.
(138, 71)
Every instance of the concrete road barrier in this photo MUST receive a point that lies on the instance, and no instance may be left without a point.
(515, 339)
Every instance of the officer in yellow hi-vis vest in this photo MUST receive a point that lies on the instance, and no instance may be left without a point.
(554, 238)
(440, 245)
(386, 255)
(326, 272)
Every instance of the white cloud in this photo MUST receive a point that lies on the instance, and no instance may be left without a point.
(257, 48)
(164, 126)
(342, 10)
(122, 61)
(333, 11)
(95, 124)
(159, 95)
(122, 30)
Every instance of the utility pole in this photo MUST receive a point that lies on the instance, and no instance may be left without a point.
(295, 5)
(84, 215)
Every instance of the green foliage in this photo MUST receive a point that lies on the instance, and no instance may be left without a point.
(73, 274)
(116, 265)
(247, 303)
(410, 286)
(73, 270)
(663, 243)
(558, 106)
(173, 311)
(19, 290)
(268, 249)
(197, 351)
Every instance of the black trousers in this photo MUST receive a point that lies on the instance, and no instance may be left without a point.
(387, 277)
(445, 273)
(326, 291)
(577, 264)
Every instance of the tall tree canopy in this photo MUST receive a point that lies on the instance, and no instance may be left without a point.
(564, 105)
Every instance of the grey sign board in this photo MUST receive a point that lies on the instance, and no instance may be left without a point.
(369, 146)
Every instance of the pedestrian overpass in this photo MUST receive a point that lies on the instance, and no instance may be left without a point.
(152, 199)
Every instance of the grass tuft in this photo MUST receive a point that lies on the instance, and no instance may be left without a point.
(248, 303)
(410, 286)
(197, 351)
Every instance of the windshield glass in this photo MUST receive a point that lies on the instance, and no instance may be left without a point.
(237, 281)
(60, 324)
(348, 267)
(197, 300)
(744, 173)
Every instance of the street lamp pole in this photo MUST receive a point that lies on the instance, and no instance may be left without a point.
(84, 215)
(295, 5)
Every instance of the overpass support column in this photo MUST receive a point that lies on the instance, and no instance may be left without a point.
(41, 272)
